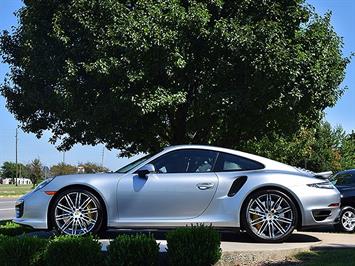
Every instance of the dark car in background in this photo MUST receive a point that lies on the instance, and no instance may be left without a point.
(345, 183)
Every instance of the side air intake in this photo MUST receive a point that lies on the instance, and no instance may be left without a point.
(237, 185)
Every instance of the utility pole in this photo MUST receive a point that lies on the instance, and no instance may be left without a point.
(16, 157)
(102, 156)
(63, 157)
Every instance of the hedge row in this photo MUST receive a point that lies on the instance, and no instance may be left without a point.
(13, 229)
(195, 245)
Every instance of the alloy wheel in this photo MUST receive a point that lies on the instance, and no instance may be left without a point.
(348, 220)
(270, 216)
(76, 213)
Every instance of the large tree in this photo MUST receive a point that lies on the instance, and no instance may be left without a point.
(8, 170)
(90, 168)
(63, 169)
(321, 148)
(140, 74)
(35, 169)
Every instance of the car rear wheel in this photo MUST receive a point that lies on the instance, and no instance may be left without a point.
(77, 212)
(269, 216)
(346, 220)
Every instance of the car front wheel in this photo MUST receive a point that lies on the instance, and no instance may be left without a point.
(269, 216)
(77, 212)
(347, 220)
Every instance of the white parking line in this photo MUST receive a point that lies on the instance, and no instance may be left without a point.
(7, 202)
(8, 209)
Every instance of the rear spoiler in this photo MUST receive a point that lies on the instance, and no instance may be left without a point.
(323, 175)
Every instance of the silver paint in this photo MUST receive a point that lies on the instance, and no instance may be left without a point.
(169, 200)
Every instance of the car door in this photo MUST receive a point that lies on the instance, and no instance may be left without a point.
(181, 188)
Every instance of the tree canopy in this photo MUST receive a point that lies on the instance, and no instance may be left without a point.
(63, 169)
(8, 170)
(68, 169)
(137, 75)
(91, 168)
(35, 169)
(321, 148)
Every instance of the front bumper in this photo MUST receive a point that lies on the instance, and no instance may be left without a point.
(31, 209)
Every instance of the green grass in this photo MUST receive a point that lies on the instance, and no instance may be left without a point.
(328, 257)
(13, 191)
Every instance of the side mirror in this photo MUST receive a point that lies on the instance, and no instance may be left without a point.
(145, 170)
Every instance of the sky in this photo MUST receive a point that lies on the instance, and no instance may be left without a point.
(29, 147)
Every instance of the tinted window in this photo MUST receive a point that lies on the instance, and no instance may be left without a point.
(185, 161)
(344, 179)
(229, 162)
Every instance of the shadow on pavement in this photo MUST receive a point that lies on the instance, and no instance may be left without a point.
(225, 236)
(320, 256)
(321, 229)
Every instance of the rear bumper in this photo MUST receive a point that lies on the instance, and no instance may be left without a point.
(320, 206)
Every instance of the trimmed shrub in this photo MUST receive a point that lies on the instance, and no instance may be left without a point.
(194, 245)
(21, 251)
(132, 250)
(74, 251)
(13, 229)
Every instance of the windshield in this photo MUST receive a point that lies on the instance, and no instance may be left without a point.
(333, 179)
(129, 167)
(343, 179)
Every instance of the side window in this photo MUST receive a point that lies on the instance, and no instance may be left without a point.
(228, 162)
(345, 179)
(185, 161)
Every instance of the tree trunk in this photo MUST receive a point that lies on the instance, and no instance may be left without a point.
(178, 126)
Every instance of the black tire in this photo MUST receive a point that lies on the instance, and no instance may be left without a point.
(342, 225)
(275, 218)
(81, 217)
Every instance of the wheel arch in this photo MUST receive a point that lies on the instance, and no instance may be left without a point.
(347, 203)
(80, 186)
(281, 189)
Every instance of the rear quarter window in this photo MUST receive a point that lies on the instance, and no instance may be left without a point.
(229, 162)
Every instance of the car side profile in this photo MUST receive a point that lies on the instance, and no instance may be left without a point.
(345, 183)
(183, 185)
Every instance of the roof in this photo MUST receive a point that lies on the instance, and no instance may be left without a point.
(346, 171)
(270, 164)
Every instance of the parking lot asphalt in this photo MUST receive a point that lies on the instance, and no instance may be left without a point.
(7, 208)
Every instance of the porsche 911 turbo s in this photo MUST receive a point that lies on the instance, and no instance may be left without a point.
(184, 185)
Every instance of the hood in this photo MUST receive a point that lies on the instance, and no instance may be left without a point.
(83, 176)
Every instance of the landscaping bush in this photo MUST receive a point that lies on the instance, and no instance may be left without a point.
(132, 250)
(13, 229)
(21, 251)
(74, 251)
(194, 245)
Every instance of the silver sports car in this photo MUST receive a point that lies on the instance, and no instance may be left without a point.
(185, 185)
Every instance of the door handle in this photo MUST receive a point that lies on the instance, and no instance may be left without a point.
(205, 186)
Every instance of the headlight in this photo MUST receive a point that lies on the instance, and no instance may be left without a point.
(43, 184)
(327, 185)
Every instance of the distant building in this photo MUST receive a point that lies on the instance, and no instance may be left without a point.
(24, 181)
(20, 181)
(6, 181)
